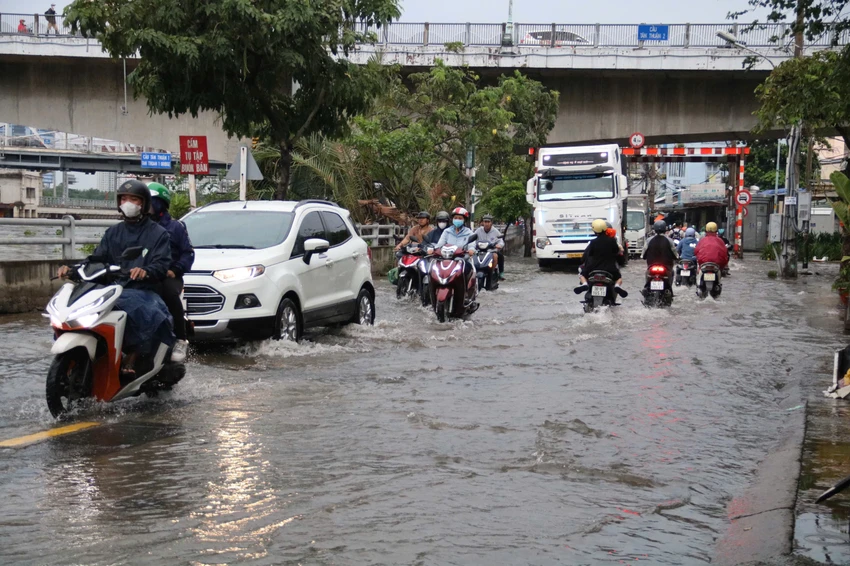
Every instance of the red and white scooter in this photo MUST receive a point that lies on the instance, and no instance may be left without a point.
(89, 336)
(452, 294)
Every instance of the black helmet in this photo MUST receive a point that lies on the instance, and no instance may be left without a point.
(443, 215)
(660, 227)
(137, 189)
(424, 214)
(487, 217)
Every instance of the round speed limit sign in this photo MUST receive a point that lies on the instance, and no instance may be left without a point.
(636, 140)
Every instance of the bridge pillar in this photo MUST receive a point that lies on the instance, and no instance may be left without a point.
(69, 232)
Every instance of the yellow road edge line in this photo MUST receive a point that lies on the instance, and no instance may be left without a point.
(31, 438)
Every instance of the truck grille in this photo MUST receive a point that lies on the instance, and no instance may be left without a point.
(572, 230)
(201, 299)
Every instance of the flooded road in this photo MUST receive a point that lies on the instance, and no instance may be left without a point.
(531, 434)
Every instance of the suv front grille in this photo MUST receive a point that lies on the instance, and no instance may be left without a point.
(201, 299)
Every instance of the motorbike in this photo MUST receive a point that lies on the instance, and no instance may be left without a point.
(709, 280)
(686, 272)
(486, 267)
(601, 292)
(659, 293)
(452, 296)
(89, 335)
(412, 273)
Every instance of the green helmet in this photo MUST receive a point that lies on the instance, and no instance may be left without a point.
(160, 191)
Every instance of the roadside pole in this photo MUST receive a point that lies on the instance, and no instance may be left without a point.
(193, 198)
(243, 173)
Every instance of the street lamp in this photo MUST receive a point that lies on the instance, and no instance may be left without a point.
(788, 258)
(508, 37)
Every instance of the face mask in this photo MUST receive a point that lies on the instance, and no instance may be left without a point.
(458, 223)
(130, 209)
(442, 225)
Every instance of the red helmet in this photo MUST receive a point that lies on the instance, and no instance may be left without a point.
(462, 211)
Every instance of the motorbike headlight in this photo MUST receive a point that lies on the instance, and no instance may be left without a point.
(239, 273)
(86, 320)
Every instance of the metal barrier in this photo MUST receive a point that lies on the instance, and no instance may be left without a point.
(60, 202)
(68, 239)
(381, 234)
(531, 35)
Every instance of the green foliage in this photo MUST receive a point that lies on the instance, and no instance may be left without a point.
(842, 205)
(454, 47)
(179, 204)
(29, 233)
(761, 164)
(768, 252)
(815, 15)
(772, 274)
(240, 59)
(507, 202)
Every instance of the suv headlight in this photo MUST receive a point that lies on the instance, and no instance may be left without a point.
(543, 242)
(239, 273)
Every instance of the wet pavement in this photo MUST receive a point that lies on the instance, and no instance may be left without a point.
(530, 434)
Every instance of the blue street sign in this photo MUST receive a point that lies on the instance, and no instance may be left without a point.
(156, 161)
(653, 33)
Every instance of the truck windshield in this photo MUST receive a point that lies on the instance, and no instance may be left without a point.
(635, 220)
(243, 230)
(576, 187)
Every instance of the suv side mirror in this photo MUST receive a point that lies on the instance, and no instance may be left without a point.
(132, 253)
(315, 246)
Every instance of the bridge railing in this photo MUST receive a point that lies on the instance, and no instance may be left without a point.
(381, 234)
(524, 34)
(59, 202)
(68, 238)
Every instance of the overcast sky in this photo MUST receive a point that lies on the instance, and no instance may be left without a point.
(525, 11)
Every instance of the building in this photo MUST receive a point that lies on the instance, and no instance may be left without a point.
(20, 193)
(106, 181)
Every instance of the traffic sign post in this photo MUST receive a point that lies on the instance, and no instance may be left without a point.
(636, 140)
(193, 155)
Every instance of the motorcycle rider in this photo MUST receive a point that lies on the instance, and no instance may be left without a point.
(458, 235)
(603, 253)
(443, 219)
(419, 232)
(487, 233)
(711, 248)
(182, 257)
(148, 319)
(660, 250)
(677, 233)
(685, 249)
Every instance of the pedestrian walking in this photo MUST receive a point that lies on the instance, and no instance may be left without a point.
(51, 20)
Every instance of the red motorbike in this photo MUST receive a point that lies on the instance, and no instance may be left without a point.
(453, 292)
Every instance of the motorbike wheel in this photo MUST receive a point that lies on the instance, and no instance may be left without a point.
(68, 380)
(715, 291)
(701, 291)
(440, 309)
(401, 287)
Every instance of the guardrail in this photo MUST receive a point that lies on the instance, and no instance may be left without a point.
(381, 234)
(68, 239)
(59, 202)
(524, 34)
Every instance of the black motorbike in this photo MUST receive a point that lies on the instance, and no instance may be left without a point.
(486, 266)
(709, 281)
(601, 292)
(686, 272)
(658, 292)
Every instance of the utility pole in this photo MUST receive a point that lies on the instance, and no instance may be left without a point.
(789, 225)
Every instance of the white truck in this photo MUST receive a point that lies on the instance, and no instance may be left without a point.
(637, 223)
(571, 187)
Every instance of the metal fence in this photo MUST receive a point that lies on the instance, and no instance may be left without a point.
(491, 35)
(68, 239)
(381, 234)
(60, 202)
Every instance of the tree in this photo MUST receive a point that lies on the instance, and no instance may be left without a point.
(761, 164)
(269, 68)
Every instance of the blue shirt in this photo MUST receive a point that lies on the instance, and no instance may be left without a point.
(452, 237)
(686, 248)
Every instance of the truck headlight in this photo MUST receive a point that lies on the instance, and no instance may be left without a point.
(543, 242)
(239, 273)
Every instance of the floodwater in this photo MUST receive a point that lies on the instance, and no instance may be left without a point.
(530, 434)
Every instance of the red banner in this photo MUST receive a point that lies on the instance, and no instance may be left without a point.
(193, 155)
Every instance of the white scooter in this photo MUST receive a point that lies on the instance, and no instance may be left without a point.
(89, 337)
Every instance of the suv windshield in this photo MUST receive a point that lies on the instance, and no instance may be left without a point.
(575, 187)
(246, 229)
(635, 220)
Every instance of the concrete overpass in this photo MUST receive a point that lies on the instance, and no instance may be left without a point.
(688, 88)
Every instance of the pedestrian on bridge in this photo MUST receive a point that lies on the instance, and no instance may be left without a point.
(51, 20)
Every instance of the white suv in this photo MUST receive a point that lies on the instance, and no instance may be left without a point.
(274, 268)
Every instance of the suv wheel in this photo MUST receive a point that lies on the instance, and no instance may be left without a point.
(365, 311)
(288, 324)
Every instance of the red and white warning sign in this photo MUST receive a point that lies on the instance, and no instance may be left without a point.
(743, 197)
(636, 140)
